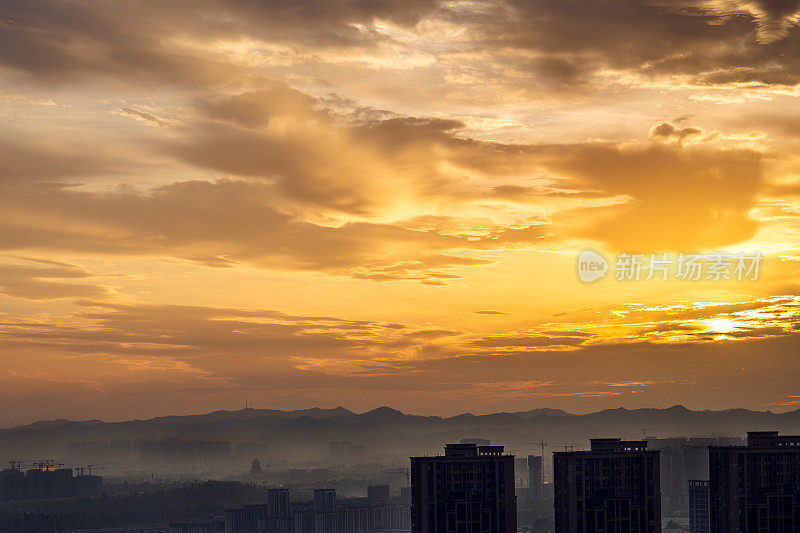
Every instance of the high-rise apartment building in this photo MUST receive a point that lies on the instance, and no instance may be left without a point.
(469, 489)
(699, 508)
(535, 476)
(756, 488)
(612, 488)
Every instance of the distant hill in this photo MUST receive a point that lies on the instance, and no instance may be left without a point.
(52, 424)
(250, 413)
(389, 433)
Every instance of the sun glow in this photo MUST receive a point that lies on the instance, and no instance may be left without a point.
(720, 325)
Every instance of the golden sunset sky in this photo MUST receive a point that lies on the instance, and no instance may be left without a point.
(366, 202)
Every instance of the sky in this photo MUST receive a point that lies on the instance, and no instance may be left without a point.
(362, 203)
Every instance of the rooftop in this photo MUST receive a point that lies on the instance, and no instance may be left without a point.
(471, 450)
(771, 439)
(618, 445)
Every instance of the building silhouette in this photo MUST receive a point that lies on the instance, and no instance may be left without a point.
(535, 476)
(683, 459)
(378, 492)
(346, 451)
(521, 471)
(699, 509)
(470, 489)
(116, 450)
(614, 487)
(756, 488)
(44, 483)
(278, 516)
(324, 514)
(241, 520)
(252, 450)
(324, 499)
(278, 503)
(209, 525)
(476, 440)
(174, 449)
(338, 449)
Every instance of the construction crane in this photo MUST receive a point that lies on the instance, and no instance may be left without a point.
(644, 433)
(45, 464)
(540, 443)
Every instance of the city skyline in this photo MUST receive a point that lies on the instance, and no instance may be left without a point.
(373, 203)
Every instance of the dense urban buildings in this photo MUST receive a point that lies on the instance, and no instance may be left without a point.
(278, 503)
(378, 492)
(102, 450)
(699, 507)
(614, 487)
(470, 489)
(176, 449)
(324, 514)
(43, 482)
(169, 449)
(346, 451)
(521, 471)
(617, 486)
(756, 488)
(252, 450)
(211, 525)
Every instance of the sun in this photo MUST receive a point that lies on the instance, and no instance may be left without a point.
(720, 325)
